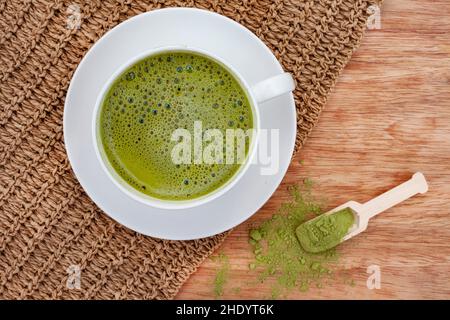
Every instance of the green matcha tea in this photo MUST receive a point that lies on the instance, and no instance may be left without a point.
(153, 98)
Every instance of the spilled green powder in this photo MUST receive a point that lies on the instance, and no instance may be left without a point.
(222, 275)
(326, 231)
(279, 257)
(236, 290)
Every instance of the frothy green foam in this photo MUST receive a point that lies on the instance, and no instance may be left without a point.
(153, 98)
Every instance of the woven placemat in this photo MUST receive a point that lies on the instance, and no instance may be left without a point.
(49, 229)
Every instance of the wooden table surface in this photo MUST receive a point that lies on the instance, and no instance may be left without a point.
(388, 117)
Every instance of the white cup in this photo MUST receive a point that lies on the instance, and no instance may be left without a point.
(257, 94)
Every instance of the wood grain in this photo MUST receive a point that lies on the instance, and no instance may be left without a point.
(388, 117)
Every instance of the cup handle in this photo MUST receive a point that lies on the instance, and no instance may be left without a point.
(273, 87)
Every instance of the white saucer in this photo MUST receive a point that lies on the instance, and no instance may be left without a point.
(196, 28)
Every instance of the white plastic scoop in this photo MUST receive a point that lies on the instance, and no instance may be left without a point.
(364, 212)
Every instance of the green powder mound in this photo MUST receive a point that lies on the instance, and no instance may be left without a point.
(221, 276)
(278, 253)
(326, 231)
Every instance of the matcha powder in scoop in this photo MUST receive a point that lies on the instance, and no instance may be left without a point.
(326, 231)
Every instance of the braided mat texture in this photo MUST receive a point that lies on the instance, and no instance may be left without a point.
(47, 222)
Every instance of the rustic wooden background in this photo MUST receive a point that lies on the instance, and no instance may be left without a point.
(388, 117)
